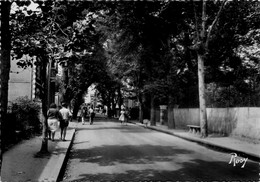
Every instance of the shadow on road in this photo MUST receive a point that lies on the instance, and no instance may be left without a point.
(181, 175)
(130, 154)
(149, 155)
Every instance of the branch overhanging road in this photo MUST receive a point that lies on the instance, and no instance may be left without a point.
(109, 151)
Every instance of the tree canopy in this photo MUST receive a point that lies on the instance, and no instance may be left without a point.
(146, 50)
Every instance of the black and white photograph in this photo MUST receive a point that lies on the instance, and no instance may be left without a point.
(129, 90)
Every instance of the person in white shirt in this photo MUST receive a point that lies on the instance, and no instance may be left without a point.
(123, 117)
(66, 114)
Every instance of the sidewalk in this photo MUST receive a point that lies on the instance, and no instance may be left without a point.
(21, 165)
(242, 147)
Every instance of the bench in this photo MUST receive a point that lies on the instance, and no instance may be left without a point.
(194, 129)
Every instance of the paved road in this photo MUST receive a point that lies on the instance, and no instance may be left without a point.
(109, 151)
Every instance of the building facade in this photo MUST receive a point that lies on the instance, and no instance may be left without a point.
(28, 82)
(21, 82)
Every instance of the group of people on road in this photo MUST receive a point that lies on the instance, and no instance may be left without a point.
(84, 112)
(58, 118)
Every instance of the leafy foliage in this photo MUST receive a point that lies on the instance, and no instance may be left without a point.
(26, 113)
(109, 43)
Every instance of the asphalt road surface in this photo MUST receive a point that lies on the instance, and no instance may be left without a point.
(109, 151)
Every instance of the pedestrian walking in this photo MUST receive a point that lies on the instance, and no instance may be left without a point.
(91, 115)
(127, 115)
(79, 115)
(53, 118)
(122, 117)
(83, 114)
(66, 114)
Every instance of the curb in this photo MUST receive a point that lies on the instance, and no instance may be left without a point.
(208, 144)
(65, 160)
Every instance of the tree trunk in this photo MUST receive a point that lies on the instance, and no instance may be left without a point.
(44, 98)
(171, 121)
(113, 104)
(120, 99)
(203, 111)
(4, 68)
(141, 112)
(75, 110)
(77, 104)
(200, 54)
(203, 38)
(65, 79)
(109, 112)
(152, 114)
(108, 104)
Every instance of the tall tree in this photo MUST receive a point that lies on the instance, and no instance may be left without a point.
(51, 33)
(135, 47)
(31, 36)
(4, 68)
(203, 36)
